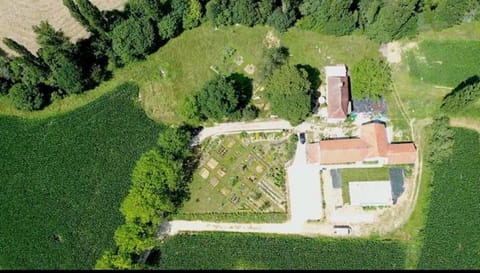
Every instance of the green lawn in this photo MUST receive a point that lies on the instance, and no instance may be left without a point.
(452, 236)
(361, 174)
(66, 176)
(187, 60)
(235, 175)
(217, 250)
(445, 63)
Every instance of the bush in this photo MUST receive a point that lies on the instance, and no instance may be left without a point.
(25, 97)
(463, 95)
(281, 21)
(168, 27)
(250, 112)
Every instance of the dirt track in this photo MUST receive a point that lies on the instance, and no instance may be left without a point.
(17, 18)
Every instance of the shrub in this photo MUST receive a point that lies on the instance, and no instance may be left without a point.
(25, 97)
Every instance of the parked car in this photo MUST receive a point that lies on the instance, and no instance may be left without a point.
(302, 138)
(342, 230)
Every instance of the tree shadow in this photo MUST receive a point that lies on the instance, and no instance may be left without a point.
(244, 87)
(469, 81)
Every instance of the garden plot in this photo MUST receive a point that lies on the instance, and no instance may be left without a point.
(240, 174)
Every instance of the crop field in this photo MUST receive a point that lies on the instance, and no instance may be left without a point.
(434, 63)
(17, 18)
(63, 180)
(217, 250)
(452, 236)
(240, 174)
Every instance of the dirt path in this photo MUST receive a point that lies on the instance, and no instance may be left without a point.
(238, 127)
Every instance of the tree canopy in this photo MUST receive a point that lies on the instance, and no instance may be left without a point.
(218, 99)
(133, 39)
(26, 97)
(370, 77)
(288, 91)
(328, 16)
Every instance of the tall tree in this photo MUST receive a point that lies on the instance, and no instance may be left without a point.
(289, 94)
(328, 16)
(397, 19)
(133, 39)
(47, 36)
(245, 12)
(135, 238)
(26, 97)
(77, 15)
(93, 15)
(218, 99)
(371, 77)
(20, 49)
(151, 9)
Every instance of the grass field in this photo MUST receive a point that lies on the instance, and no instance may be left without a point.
(436, 64)
(63, 180)
(238, 174)
(361, 174)
(187, 60)
(452, 237)
(256, 251)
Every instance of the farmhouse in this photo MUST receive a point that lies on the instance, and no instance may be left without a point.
(372, 145)
(338, 93)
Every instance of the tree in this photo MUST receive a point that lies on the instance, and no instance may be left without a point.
(135, 238)
(175, 142)
(26, 97)
(440, 14)
(219, 12)
(244, 12)
(77, 15)
(397, 19)
(368, 12)
(47, 36)
(289, 94)
(156, 180)
(441, 140)
(463, 95)
(272, 58)
(111, 260)
(6, 77)
(133, 39)
(281, 21)
(93, 16)
(190, 110)
(57, 52)
(371, 77)
(168, 27)
(192, 17)
(66, 75)
(29, 73)
(250, 112)
(328, 16)
(150, 9)
(264, 10)
(218, 98)
(21, 50)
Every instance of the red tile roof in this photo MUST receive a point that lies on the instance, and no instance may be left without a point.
(372, 143)
(338, 97)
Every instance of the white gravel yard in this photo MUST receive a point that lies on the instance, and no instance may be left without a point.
(305, 196)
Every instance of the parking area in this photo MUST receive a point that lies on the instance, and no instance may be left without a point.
(305, 196)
